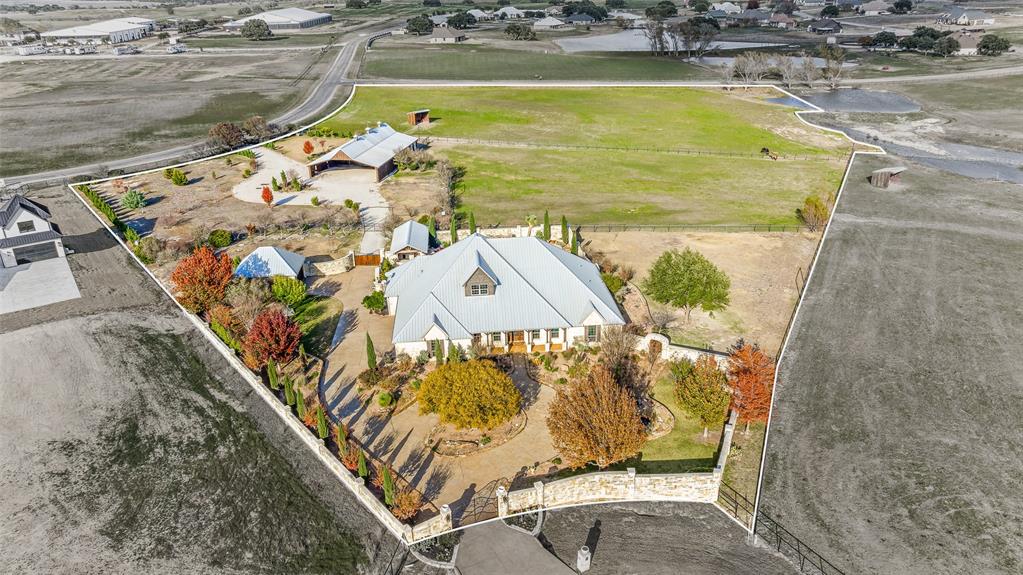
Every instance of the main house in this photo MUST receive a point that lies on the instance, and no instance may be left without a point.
(26, 233)
(506, 294)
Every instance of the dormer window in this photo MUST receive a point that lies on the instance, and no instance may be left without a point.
(27, 226)
(479, 289)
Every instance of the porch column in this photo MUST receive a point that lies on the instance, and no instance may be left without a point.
(504, 341)
(547, 340)
(528, 340)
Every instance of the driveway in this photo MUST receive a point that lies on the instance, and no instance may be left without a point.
(36, 284)
(330, 187)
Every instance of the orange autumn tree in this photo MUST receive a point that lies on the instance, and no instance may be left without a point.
(268, 196)
(595, 420)
(751, 375)
(307, 147)
(273, 336)
(201, 279)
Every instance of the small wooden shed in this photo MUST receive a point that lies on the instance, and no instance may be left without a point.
(883, 177)
(419, 117)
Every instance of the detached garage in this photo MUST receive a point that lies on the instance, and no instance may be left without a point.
(27, 233)
(375, 149)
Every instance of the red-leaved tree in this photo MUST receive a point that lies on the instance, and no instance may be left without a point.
(273, 336)
(201, 279)
(751, 376)
(268, 196)
(307, 147)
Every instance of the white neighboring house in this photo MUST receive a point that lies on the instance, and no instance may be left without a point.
(968, 42)
(27, 233)
(873, 8)
(549, 23)
(112, 31)
(409, 241)
(269, 261)
(374, 149)
(283, 19)
(445, 35)
(727, 7)
(509, 13)
(960, 16)
(507, 294)
(440, 20)
(480, 15)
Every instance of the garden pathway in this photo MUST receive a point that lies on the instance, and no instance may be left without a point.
(329, 187)
(400, 439)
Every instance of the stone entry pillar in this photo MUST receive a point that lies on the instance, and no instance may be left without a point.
(502, 501)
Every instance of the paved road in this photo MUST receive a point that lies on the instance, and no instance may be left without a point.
(321, 96)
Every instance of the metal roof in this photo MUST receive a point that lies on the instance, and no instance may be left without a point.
(104, 28)
(29, 239)
(538, 286)
(549, 21)
(18, 202)
(374, 148)
(282, 16)
(267, 261)
(411, 234)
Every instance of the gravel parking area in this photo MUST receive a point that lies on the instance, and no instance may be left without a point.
(895, 441)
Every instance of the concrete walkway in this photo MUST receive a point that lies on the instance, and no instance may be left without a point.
(493, 548)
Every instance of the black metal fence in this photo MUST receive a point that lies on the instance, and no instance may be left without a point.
(772, 534)
(733, 228)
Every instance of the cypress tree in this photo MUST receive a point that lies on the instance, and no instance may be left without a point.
(388, 486)
(289, 391)
(438, 350)
(432, 226)
(472, 223)
(300, 404)
(547, 225)
(271, 374)
(575, 243)
(371, 353)
(453, 355)
(564, 229)
(363, 472)
(321, 422)
(341, 437)
(454, 231)
(284, 179)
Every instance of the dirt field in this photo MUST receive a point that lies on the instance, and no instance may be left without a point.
(135, 448)
(892, 449)
(762, 267)
(66, 112)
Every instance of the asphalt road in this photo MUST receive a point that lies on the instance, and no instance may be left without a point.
(322, 95)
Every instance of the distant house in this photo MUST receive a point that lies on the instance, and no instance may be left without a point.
(283, 19)
(961, 16)
(580, 19)
(509, 13)
(756, 17)
(26, 233)
(440, 20)
(726, 7)
(967, 42)
(825, 26)
(18, 36)
(554, 10)
(848, 4)
(374, 149)
(505, 294)
(480, 15)
(719, 15)
(409, 240)
(447, 35)
(782, 20)
(548, 23)
(269, 261)
(874, 8)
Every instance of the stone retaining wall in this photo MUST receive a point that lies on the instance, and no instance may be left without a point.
(669, 351)
(605, 486)
(329, 268)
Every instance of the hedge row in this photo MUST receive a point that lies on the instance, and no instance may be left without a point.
(104, 208)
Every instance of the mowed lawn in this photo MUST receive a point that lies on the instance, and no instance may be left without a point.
(630, 184)
(482, 63)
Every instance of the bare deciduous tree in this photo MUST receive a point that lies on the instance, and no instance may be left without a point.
(752, 67)
(808, 70)
(655, 35)
(786, 66)
(834, 60)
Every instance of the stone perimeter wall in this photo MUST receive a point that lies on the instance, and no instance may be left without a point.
(605, 486)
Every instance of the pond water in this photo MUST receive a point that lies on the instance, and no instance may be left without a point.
(854, 100)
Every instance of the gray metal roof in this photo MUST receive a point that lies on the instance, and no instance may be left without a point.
(538, 286)
(18, 202)
(411, 234)
(270, 261)
(374, 148)
(29, 239)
